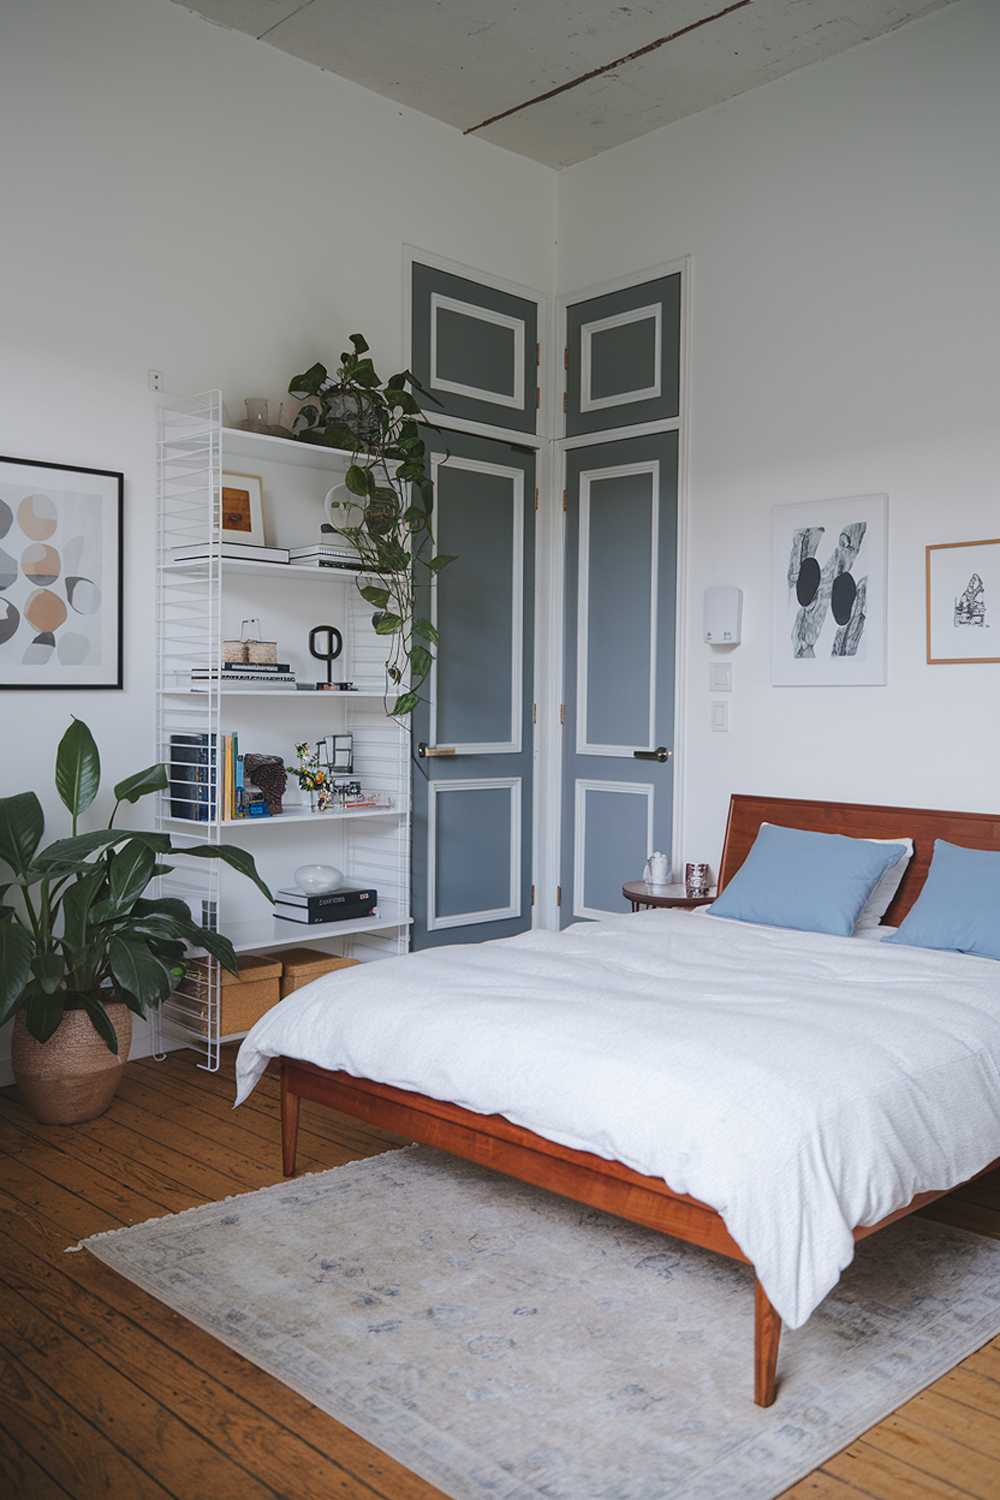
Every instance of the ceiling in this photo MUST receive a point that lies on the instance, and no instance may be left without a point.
(464, 61)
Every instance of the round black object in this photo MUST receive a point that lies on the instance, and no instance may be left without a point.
(842, 597)
(807, 583)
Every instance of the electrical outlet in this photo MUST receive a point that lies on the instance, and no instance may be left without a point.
(720, 718)
(154, 380)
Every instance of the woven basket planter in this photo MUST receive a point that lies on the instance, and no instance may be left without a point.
(72, 1077)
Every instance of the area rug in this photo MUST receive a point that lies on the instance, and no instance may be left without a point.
(505, 1343)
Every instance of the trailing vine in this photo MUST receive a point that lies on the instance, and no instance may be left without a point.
(387, 513)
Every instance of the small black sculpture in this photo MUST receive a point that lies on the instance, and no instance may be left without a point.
(329, 652)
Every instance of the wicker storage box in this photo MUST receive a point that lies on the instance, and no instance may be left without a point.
(244, 999)
(303, 965)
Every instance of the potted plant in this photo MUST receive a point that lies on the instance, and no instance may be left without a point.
(386, 504)
(82, 948)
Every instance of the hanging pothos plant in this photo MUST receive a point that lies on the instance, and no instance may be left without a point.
(386, 511)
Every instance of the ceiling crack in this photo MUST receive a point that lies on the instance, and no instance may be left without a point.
(616, 62)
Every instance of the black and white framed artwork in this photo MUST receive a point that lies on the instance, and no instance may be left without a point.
(60, 575)
(828, 615)
(963, 602)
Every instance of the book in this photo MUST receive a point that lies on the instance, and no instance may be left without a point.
(241, 551)
(326, 906)
(240, 672)
(192, 774)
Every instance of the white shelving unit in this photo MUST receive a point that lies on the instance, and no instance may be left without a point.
(200, 604)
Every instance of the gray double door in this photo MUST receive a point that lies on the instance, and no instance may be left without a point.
(473, 751)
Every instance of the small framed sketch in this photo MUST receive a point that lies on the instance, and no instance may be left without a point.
(60, 575)
(963, 602)
(829, 564)
(242, 509)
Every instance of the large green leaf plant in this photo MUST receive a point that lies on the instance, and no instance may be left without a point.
(387, 514)
(76, 929)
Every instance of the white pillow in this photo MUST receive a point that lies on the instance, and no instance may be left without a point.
(880, 900)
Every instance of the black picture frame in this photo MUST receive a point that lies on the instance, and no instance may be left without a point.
(118, 553)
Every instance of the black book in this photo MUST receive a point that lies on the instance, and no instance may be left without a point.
(192, 777)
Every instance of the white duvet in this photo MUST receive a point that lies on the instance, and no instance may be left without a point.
(799, 1084)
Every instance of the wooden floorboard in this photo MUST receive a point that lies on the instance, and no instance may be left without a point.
(106, 1392)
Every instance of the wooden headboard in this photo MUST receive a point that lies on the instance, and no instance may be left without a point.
(859, 821)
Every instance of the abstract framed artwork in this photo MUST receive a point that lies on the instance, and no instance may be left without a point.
(828, 613)
(60, 575)
(242, 500)
(963, 602)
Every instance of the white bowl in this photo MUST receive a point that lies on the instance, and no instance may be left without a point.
(315, 879)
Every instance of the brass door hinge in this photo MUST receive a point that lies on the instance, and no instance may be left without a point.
(532, 895)
(534, 713)
(565, 359)
(536, 496)
(559, 895)
(538, 355)
(565, 501)
(562, 713)
(565, 401)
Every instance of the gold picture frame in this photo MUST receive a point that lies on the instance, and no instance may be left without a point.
(962, 595)
(241, 508)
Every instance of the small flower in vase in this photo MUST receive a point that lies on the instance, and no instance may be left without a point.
(311, 776)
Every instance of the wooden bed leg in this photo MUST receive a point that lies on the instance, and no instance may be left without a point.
(766, 1338)
(289, 1125)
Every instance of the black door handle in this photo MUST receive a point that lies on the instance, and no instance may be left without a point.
(661, 753)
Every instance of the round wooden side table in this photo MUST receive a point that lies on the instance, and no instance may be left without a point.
(640, 894)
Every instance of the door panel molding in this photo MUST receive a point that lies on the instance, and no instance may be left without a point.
(514, 744)
(513, 908)
(441, 303)
(590, 402)
(584, 785)
(588, 477)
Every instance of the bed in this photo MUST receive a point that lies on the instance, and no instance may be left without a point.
(800, 1092)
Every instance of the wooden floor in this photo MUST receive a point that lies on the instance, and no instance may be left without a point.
(105, 1392)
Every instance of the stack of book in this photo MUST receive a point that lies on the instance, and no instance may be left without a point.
(192, 774)
(241, 674)
(231, 779)
(327, 555)
(343, 905)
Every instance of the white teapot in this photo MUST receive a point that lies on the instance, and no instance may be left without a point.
(657, 871)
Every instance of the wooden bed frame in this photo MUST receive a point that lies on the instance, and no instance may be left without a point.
(494, 1142)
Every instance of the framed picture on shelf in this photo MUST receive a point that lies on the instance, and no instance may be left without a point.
(828, 608)
(963, 602)
(60, 575)
(242, 509)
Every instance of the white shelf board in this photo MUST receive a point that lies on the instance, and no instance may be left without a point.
(276, 820)
(275, 932)
(267, 449)
(304, 696)
(244, 567)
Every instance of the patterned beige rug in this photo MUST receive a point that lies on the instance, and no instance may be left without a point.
(505, 1343)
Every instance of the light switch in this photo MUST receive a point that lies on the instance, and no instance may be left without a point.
(720, 717)
(720, 676)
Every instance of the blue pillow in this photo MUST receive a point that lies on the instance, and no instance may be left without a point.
(959, 906)
(815, 882)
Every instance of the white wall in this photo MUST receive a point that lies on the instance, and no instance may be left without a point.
(843, 224)
(181, 197)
